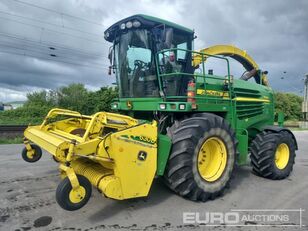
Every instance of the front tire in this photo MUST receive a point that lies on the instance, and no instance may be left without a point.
(30, 157)
(70, 199)
(202, 158)
(273, 154)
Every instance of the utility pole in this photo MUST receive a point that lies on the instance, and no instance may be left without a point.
(305, 102)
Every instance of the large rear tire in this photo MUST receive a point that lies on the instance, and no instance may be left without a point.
(202, 158)
(273, 154)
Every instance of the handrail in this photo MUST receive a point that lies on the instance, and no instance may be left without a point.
(203, 75)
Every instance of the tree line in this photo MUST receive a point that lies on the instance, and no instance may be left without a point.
(290, 104)
(76, 97)
(73, 97)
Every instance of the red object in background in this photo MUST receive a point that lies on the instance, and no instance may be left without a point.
(191, 93)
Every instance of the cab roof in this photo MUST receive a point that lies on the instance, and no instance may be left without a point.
(146, 22)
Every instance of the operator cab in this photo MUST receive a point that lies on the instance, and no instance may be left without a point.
(135, 60)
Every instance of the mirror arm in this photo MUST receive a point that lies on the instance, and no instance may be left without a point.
(111, 59)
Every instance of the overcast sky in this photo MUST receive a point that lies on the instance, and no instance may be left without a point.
(46, 49)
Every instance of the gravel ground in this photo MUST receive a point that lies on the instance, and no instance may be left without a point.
(27, 199)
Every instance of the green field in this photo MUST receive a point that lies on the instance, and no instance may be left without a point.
(16, 140)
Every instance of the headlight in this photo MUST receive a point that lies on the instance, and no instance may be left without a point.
(107, 35)
(129, 25)
(122, 26)
(182, 106)
(114, 106)
(136, 23)
(162, 106)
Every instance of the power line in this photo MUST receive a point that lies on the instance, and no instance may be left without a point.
(51, 54)
(46, 48)
(46, 58)
(50, 49)
(54, 31)
(49, 44)
(52, 24)
(58, 12)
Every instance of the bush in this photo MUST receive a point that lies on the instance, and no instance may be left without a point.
(24, 115)
(290, 104)
(74, 97)
(100, 100)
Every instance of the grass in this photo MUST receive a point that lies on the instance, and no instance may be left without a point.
(16, 140)
(299, 129)
(291, 123)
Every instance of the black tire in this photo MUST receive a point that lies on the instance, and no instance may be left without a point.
(55, 159)
(64, 189)
(262, 154)
(188, 135)
(37, 154)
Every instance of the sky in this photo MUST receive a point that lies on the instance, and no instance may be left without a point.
(52, 43)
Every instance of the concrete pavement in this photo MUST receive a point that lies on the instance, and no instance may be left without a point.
(27, 199)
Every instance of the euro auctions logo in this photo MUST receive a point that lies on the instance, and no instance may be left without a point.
(247, 217)
(211, 218)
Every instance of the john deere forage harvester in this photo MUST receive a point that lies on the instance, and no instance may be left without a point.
(178, 120)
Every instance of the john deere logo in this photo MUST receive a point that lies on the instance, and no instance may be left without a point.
(142, 155)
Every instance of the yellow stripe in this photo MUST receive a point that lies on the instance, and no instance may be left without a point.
(225, 95)
(251, 99)
(212, 92)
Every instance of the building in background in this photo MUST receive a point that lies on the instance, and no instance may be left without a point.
(305, 102)
(304, 123)
(5, 106)
(17, 104)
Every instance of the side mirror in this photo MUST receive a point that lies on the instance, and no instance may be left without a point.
(110, 57)
(166, 39)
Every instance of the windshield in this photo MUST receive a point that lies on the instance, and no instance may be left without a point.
(135, 65)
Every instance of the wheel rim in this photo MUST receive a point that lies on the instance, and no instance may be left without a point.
(31, 154)
(212, 159)
(77, 195)
(282, 156)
